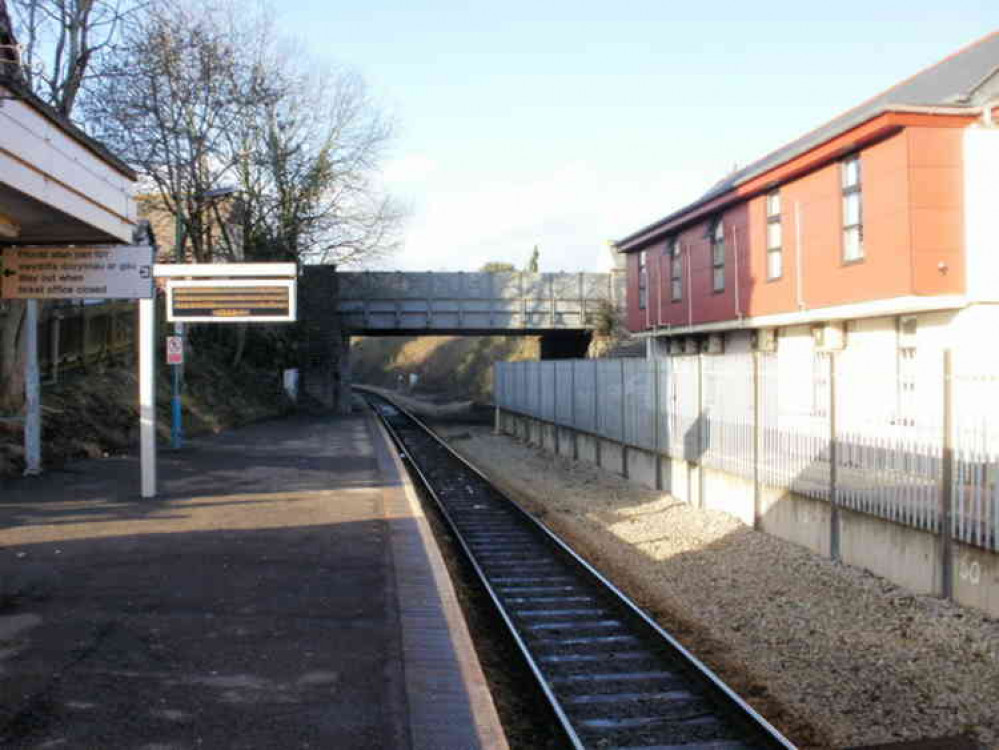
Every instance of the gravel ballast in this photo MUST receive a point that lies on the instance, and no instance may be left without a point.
(832, 655)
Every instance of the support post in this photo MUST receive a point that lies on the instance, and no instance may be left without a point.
(700, 422)
(656, 438)
(624, 425)
(596, 414)
(176, 427)
(344, 393)
(947, 482)
(55, 332)
(834, 515)
(575, 420)
(558, 446)
(757, 491)
(177, 416)
(147, 395)
(32, 393)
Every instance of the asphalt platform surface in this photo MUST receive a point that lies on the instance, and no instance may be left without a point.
(282, 592)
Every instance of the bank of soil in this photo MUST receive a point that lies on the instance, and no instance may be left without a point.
(93, 413)
(834, 656)
(461, 366)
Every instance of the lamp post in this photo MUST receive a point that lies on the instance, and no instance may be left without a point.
(177, 423)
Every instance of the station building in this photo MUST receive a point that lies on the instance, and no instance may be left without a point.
(875, 232)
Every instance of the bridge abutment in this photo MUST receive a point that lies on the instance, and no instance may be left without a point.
(325, 347)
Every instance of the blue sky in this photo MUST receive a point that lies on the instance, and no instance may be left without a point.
(567, 124)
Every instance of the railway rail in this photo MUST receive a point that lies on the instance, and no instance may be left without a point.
(613, 677)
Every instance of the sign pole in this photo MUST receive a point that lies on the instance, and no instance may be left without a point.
(32, 393)
(147, 395)
(177, 424)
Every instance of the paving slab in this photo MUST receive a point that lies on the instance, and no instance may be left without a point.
(257, 603)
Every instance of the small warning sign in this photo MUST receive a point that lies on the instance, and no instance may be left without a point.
(174, 350)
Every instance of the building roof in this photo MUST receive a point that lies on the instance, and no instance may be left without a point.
(12, 78)
(968, 78)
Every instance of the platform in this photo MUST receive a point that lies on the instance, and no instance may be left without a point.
(283, 592)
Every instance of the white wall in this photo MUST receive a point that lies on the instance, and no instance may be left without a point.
(981, 211)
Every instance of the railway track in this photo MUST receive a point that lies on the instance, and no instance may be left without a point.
(613, 677)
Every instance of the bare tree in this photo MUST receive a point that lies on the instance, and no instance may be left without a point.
(167, 101)
(307, 160)
(61, 41)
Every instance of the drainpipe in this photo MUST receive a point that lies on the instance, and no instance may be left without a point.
(798, 276)
(735, 253)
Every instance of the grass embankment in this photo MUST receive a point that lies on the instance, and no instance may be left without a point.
(94, 412)
(456, 366)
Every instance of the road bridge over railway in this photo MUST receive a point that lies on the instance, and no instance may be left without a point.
(563, 309)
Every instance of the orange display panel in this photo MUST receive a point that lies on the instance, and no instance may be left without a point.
(230, 301)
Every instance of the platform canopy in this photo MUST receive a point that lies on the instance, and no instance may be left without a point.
(57, 185)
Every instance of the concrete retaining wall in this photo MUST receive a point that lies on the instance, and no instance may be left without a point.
(904, 555)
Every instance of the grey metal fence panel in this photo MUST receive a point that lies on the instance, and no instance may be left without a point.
(727, 412)
(679, 399)
(522, 391)
(975, 505)
(794, 425)
(564, 371)
(498, 384)
(503, 390)
(532, 393)
(585, 395)
(549, 388)
(610, 402)
(889, 434)
(639, 399)
(889, 441)
(664, 372)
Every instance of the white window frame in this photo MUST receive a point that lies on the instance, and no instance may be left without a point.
(775, 251)
(643, 281)
(675, 270)
(717, 241)
(851, 186)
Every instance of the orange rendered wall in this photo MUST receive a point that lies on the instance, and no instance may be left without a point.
(912, 207)
(936, 197)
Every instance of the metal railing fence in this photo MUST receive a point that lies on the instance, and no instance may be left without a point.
(874, 437)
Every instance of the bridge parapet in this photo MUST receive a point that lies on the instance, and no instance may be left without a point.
(458, 302)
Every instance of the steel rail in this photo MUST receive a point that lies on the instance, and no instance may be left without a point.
(764, 735)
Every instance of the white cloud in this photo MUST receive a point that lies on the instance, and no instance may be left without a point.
(570, 213)
(409, 171)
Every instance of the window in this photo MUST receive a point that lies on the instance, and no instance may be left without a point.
(717, 235)
(853, 219)
(643, 281)
(675, 270)
(775, 237)
(907, 372)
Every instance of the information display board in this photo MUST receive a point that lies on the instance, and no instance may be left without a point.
(113, 272)
(231, 300)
